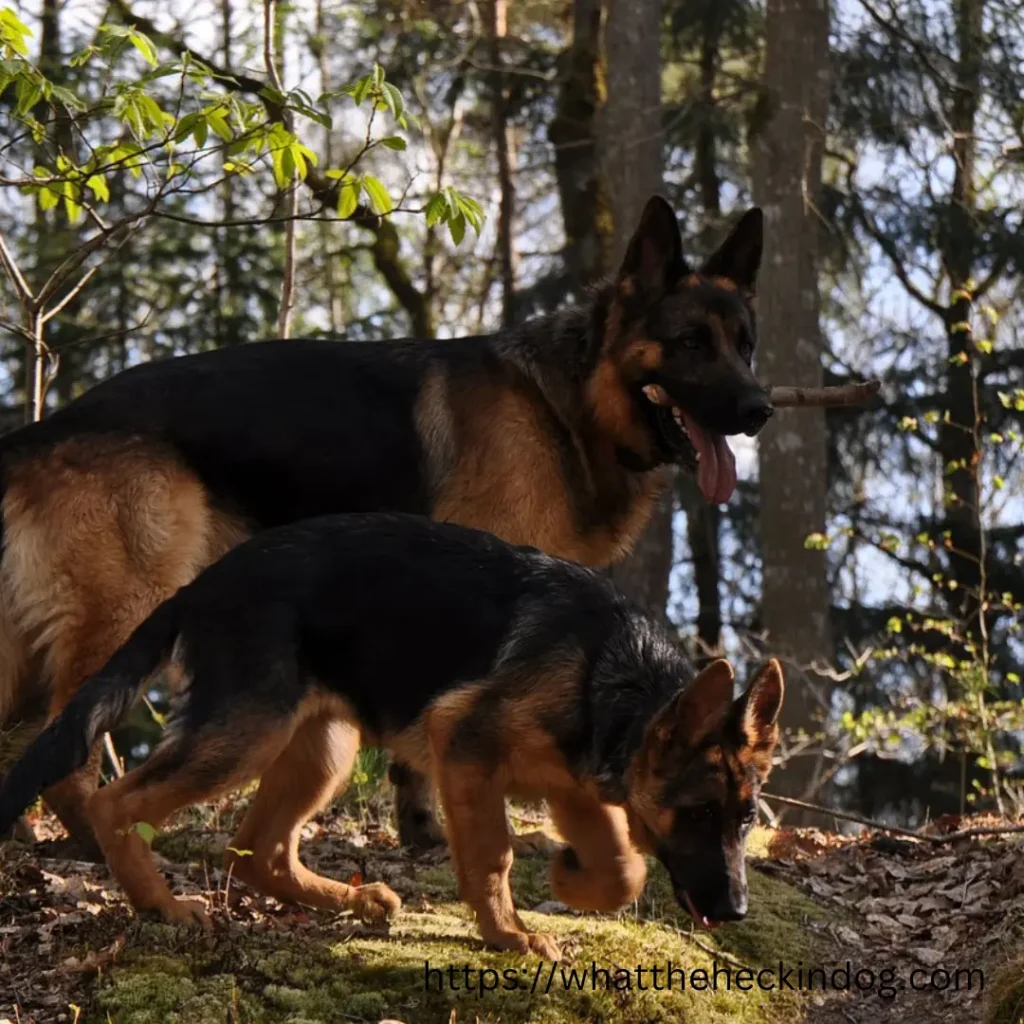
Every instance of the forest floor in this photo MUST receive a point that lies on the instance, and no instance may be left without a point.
(71, 950)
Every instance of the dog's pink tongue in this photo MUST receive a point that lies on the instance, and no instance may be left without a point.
(716, 474)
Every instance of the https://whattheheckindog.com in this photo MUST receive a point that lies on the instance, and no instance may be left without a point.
(884, 981)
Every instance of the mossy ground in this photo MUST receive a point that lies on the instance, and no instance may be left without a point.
(1006, 1002)
(322, 970)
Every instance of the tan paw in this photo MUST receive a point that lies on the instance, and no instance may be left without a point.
(374, 902)
(526, 942)
(545, 946)
(534, 844)
(187, 912)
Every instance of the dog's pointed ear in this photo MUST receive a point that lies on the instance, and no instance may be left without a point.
(654, 258)
(738, 258)
(701, 709)
(756, 714)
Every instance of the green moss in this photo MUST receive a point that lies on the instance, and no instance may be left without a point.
(418, 973)
(1007, 1001)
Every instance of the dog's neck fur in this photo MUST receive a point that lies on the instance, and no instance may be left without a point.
(639, 671)
(574, 336)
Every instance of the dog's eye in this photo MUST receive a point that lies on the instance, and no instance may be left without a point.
(745, 348)
(697, 336)
(750, 816)
(697, 812)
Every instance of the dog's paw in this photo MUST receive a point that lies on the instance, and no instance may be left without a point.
(527, 942)
(545, 946)
(374, 902)
(186, 912)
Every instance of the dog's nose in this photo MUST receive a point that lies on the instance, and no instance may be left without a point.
(753, 411)
(729, 908)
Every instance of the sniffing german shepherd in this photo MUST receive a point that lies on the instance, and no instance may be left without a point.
(555, 434)
(492, 669)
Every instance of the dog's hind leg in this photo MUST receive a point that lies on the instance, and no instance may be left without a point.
(305, 777)
(184, 769)
(96, 534)
(600, 869)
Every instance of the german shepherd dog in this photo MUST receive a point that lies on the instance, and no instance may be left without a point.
(492, 669)
(556, 434)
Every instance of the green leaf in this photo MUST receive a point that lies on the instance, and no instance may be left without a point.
(99, 187)
(378, 76)
(348, 196)
(72, 207)
(457, 227)
(146, 832)
(28, 93)
(240, 853)
(215, 119)
(437, 210)
(377, 194)
(48, 198)
(394, 100)
(395, 142)
(144, 46)
(14, 32)
(816, 542)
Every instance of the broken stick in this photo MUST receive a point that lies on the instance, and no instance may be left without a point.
(841, 394)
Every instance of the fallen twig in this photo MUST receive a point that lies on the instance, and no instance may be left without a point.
(840, 394)
(924, 837)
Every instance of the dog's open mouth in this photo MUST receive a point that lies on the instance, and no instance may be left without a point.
(700, 450)
(698, 918)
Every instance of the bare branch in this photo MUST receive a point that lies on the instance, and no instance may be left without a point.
(14, 274)
(284, 319)
(842, 394)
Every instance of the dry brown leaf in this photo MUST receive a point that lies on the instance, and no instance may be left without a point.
(926, 956)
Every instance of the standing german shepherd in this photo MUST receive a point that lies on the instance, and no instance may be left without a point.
(493, 669)
(555, 434)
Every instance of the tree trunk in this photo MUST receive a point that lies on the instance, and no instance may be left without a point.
(959, 443)
(792, 451)
(504, 144)
(573, 133)
(703, 520)
(632, 168)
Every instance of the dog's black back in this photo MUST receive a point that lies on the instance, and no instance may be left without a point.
(388, 612)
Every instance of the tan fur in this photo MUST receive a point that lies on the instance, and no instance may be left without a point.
(436, 428)
(302, 763)
(96, 534)
(610, 871)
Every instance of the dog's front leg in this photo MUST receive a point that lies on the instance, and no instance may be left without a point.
(478, 836)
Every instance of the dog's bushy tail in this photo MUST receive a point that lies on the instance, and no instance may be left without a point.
(99, 704)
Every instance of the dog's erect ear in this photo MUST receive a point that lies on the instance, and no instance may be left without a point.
(654, 259)
(757, 714)
(739, 257)
(702, 708)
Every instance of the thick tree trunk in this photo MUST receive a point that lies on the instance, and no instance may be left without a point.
(703, 520)
(632, 167)
(792, 453)
(573, 133)
(958, 434)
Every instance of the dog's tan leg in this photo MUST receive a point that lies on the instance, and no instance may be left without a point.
(301, 781)
(600, 869)
(478, 835)
(184, 771)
